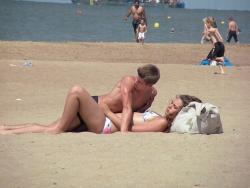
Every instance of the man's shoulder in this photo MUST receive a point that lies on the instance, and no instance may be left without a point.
(128, 81)
(141, 7)
(128, 78)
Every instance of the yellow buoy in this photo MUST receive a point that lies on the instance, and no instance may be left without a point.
(156, 25)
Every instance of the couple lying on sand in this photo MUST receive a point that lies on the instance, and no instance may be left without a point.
(123, 109)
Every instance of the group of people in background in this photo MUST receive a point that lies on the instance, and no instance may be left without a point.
(139, 21)
(233, 31)
(210, 33)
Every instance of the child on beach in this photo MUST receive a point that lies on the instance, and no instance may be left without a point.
(217, 52)
(205, 37)
(141, 30)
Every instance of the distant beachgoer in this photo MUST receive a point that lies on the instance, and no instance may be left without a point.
(233, 30)
(138, 13)
(141, 30)
(205, 37)
(218, 50)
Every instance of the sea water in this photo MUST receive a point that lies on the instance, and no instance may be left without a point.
(46, 21)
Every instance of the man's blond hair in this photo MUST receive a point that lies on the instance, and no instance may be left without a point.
(149, 73)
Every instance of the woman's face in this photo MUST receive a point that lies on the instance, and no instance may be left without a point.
(174, 107)
(208, 24)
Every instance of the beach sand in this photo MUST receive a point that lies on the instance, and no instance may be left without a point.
(121, 160)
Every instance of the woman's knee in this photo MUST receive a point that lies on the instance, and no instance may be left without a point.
(77, 90)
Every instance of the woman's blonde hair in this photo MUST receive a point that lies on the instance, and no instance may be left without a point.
(211, 21)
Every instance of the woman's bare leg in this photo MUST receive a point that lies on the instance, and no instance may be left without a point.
(25, 128)
(20, 126)
(78, 100)
(33, 128)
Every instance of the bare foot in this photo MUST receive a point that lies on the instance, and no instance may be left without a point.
(2, 126)
(5, 132)
(223, 73)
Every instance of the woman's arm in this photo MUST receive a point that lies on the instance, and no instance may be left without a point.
(159, 124)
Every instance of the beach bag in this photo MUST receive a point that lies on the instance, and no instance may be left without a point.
(198, 118)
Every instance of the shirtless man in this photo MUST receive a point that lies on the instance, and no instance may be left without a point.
(218, 50)
(138, 13)
(132, 94)
(85, 113)
(233, 30)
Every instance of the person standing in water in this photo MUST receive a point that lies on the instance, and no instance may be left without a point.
(233, 30)
(138, 13)
(141, 30)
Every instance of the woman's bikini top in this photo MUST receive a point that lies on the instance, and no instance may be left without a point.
(149, 115)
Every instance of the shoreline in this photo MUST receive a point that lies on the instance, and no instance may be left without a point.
(158, 53)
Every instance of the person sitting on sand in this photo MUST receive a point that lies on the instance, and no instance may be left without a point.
(218, 50)
(99, 121)
(130, 94)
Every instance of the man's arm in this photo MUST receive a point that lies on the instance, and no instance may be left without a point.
(127, 86)
(144, 16)
(155, 125)
(128, 14)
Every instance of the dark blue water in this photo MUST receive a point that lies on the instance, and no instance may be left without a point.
(20, 20)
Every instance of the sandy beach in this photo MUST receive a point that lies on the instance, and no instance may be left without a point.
(37, 94)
